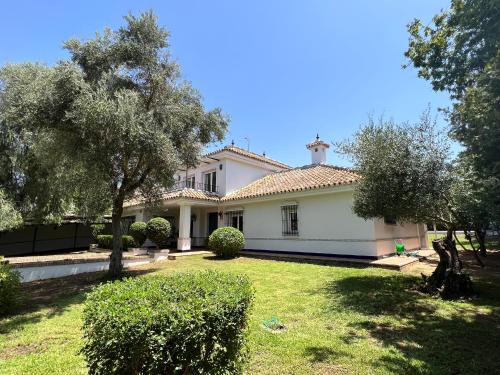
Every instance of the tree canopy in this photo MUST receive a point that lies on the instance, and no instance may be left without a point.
(114, 121)
(406, 173)
(460, 53)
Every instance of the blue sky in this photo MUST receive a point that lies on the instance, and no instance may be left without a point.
(282, 70)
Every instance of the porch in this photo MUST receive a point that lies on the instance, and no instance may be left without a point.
(192, 221)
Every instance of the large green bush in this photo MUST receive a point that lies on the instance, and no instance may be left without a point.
(10, 283)
(138, 231)
(158, 230)
(105, 241)
(226, 242)
(185, 323)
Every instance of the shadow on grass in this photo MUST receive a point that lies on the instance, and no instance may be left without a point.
(424, 335)
(317, 354)
(333, 262)
(51, 297)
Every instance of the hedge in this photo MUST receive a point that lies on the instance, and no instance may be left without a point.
(158, 230)
(138, 231)
(191, 323)
(10, 284)
(226, 242)
(105, 241)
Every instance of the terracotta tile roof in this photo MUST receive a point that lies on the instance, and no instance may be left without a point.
(184, 193)
(297, 179)
(317, 142)
(249, 154)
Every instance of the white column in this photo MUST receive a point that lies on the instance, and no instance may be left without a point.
(184, 240)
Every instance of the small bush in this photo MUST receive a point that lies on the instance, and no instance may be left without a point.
(105, 241)
(138, 231)
(185, 323)
(158, 230)
(10, 283)
(95, 230)
(128, 242)
(226, 242)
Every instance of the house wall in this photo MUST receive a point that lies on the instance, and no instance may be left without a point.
(414, 236)
(231, 173)
(238, 174)
(327, 225)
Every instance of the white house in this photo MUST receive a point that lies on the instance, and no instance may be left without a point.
(278, 208)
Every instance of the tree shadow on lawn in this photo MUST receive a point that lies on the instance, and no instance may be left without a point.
(55, 296)
(320, 354)
(444, 337)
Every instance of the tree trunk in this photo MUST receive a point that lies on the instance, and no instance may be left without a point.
(469, 238)
(115, 262)
(481, 239)
(448, 279)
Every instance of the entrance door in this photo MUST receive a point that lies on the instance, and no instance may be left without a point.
(213, 219)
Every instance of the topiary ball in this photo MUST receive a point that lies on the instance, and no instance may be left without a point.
(226, 242)
(158, 230)
(138, 231)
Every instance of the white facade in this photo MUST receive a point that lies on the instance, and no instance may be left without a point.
(323, 221)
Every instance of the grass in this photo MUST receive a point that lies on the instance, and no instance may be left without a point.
(490, 243)
(339, 320)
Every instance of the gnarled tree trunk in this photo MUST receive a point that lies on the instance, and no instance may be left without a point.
(481, 239)
(448, 279)
(115, 261)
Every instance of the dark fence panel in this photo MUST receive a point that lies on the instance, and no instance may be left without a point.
(36, 239)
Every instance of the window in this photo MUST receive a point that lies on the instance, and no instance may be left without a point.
(190, 182)
(289, 220)
(390, 220)
(235, 219)
(210, 182)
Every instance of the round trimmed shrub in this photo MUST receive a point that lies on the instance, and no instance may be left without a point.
(226, 242)
(185, 323)
(158, 230)
(10, 284)
(138, 231)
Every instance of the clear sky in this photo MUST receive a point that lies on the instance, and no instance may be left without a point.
(283, 70)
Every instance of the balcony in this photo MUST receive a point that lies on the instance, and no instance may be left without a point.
(188, 184)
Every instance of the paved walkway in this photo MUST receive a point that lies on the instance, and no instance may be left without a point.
(67, 258)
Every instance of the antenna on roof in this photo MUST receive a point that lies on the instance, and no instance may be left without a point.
(232, 142)
(264, 154)
(317, 136)
(248, 143)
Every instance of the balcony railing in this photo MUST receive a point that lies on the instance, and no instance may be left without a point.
(179, 185)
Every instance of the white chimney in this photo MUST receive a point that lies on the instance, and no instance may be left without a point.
(318, 151)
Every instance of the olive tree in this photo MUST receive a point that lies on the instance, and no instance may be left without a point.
(459, 52)
(406, 173)
(116, 117)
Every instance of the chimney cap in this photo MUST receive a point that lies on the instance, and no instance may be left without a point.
(316, 143)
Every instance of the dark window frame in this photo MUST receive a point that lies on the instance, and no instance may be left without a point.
(290, 220)
(234, 219)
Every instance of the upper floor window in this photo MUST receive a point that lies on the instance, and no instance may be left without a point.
(235, 219)
(289, 220)
(190, 182)
(210, 181)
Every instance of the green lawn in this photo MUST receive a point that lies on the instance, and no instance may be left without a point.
(339, 320)
(490, 244)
